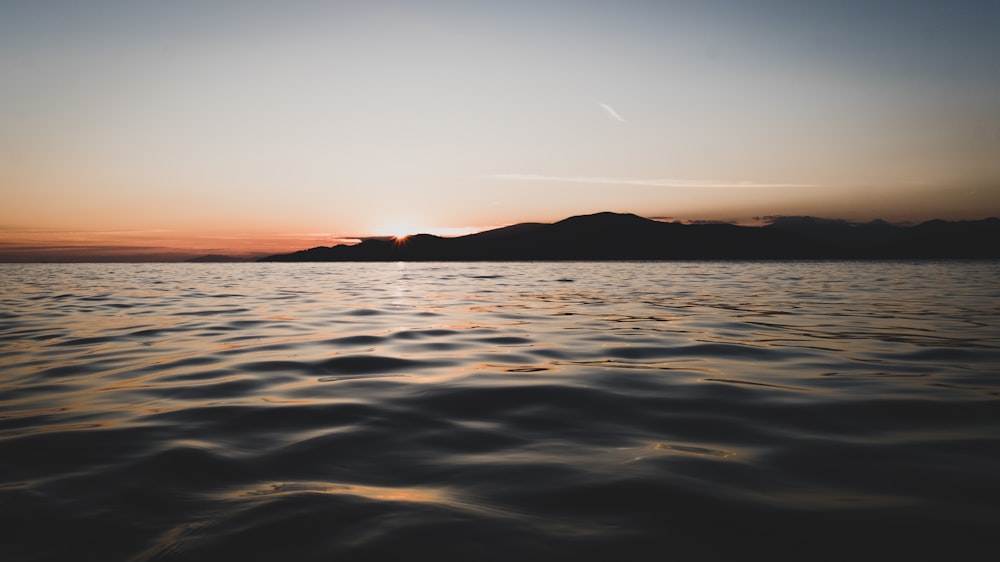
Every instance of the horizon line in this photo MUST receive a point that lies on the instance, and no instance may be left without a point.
(123, 253)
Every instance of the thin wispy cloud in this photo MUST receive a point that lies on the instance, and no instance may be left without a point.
(659, 182)
(611, 111)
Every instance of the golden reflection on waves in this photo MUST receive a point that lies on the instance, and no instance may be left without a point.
(378, 493)
(337, 408)
(433, 497)
(419, 495)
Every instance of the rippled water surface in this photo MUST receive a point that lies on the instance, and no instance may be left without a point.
(500, 411)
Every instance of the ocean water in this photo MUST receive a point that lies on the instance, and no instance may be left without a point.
(500, 411)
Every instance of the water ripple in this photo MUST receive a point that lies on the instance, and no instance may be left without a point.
(480, 411)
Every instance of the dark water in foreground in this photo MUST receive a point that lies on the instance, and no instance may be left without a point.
(533, 411)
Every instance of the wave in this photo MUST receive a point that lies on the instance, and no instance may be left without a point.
(698, 411)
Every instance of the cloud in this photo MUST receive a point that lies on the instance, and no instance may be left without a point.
(611, 111)
(661, 182)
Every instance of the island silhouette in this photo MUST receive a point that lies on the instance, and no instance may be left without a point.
(625, 236)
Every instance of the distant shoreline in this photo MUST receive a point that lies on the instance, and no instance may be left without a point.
(614, 237)
(239, 262)
(628, 237)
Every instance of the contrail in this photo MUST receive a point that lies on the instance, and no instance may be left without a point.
(658, 182)
(611, 111)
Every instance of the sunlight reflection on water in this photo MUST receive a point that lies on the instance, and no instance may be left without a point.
(531, 410)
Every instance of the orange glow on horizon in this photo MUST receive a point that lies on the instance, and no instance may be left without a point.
(398, 229)
(401, 229)
(87, 245)
(65, 245)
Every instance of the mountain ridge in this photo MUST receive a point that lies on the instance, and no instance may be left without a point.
(625, 236)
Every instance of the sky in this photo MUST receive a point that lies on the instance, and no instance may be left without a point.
(262, 126)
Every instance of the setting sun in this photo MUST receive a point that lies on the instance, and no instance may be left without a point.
(398, 229)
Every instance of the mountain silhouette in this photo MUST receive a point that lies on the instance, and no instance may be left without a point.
(617, 236)
(879, 239)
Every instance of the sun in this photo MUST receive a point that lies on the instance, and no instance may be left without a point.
(398, 229)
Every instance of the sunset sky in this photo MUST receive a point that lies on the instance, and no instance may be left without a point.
(231, 126)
